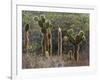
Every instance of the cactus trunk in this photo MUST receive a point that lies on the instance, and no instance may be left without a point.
(43, 44)
(50, 46)
(76, 54)
(26, 41)
(50, 42)
(47, 42)
(59, 42)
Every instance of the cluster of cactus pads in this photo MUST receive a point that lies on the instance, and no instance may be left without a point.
(46, 41)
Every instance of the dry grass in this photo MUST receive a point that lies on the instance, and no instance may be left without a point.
(39, 61)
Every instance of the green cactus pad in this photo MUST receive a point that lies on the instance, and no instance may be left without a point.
(27, 27)
(36, 18)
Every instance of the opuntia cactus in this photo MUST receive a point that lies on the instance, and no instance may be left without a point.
(75, 40)
(45, 26)
(26, 37)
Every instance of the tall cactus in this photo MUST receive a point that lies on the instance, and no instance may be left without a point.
(26, 37)
(49, 42)
(76, 40)
(45, 26)
(59, 41)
